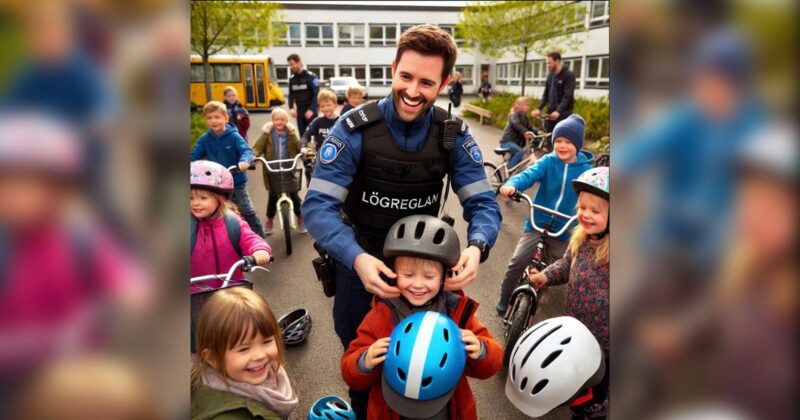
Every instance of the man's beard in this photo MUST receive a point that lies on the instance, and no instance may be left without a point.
(397, 97)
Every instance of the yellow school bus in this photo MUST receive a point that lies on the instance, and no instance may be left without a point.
(253, 77)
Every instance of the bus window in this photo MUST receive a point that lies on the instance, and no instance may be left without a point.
(198, 76)
(260, 94)
(226, 73)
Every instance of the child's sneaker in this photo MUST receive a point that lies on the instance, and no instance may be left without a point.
(268, 227)
(301, 226)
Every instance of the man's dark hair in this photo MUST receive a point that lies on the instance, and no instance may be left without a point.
(429, 40)
(293, 57)
(555, 55)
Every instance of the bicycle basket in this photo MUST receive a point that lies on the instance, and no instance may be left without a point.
(198, 299)
(285, 182)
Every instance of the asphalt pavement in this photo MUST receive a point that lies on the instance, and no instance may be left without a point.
(314, 367)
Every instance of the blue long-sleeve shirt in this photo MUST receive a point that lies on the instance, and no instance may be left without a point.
(227, 149)
(555, 190)
(329, 186)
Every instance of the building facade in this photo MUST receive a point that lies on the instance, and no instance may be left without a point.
(360, 41)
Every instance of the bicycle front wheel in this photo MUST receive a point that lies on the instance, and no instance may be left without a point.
(494, 176)
(519, 321)
(286, 224)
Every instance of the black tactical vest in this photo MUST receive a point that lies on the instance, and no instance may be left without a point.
(299, 88)
(392, 183)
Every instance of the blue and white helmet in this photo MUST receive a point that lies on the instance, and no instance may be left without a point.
(425, 361)
(331, 407)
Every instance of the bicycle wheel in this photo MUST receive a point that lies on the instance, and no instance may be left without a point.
(519, 320)
(494, 176)
(286, 224)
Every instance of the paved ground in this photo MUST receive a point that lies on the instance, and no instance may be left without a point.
(314, 366)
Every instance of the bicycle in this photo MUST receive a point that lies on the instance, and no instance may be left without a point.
(524, 300)
(200, 293)
(536, 147)
(284, 180)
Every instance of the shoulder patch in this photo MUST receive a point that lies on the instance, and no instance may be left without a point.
(315, 81)
(473, 151)
(330, 149)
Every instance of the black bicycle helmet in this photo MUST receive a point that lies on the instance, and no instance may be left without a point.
(425, 237)
(295, 326)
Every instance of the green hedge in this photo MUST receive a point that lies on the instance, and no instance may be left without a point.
(594, 111)
(198, 127)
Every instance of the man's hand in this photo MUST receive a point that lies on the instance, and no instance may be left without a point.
(376, 353)
(309, 114)
(369, 270)
(536, 112)
(243, 166)
(304, 151)
(554, 115)
(467, 269)
(262, 257)
(507, 190)
(473, 344)
(528, 135)
(293, 112)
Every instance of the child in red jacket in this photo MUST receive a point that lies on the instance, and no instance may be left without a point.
(422, 247)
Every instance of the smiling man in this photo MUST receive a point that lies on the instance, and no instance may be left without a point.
(389, 159)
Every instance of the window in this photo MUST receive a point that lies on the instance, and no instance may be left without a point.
(359, 72)
(323, 72)
(536, 73)
(466, 74)
(292, 35)
(598, 15)
(382, 35)
(380, 75)
(515, 74)
(226, 72)
(597, 72)
(406, 26)
(502, 74)
(282, 75)
(452, 30)
(575, 65)
(319, 34)
(351, 34)
(197, 73)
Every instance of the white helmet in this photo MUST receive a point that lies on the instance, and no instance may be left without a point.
(552, 363)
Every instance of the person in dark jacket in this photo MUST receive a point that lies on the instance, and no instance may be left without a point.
(303, 90)
(237, 115)
(456, 90)
(559, 92)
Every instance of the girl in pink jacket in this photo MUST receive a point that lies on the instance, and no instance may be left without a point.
(215, 246)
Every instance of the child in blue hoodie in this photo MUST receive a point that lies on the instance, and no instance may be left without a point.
(554, 172)
(223, 144)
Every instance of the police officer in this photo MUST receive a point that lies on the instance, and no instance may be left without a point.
(303, 89)
(388, 159)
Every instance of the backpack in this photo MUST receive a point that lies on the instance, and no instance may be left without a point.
(231, 226)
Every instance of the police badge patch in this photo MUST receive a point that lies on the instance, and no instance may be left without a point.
(473, 151)
(330, 149)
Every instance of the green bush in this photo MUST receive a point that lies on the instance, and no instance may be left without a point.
(594, 111)
(198, 127)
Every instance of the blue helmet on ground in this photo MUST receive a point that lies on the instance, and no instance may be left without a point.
(425, 361)
(331, 407)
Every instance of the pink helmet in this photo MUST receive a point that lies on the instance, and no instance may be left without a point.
(211, 176)
(40, 143)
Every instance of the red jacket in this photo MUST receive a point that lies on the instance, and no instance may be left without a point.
(378, 324)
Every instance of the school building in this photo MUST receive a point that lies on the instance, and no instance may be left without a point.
(359, 40)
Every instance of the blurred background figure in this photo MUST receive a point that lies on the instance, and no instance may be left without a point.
(90, 93)
(703, 313)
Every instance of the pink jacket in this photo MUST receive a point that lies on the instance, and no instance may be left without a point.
(213, 252)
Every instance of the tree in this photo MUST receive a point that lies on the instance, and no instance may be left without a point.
(238, 26)
(521, 26)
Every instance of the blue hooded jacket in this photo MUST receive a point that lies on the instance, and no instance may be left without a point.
(555, 189)
(227, 150)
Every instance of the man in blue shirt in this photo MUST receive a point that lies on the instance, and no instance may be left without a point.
(398, 172)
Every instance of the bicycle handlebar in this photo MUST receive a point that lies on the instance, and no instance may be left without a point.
(267, 163)
(248, 263)
(518, 197)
